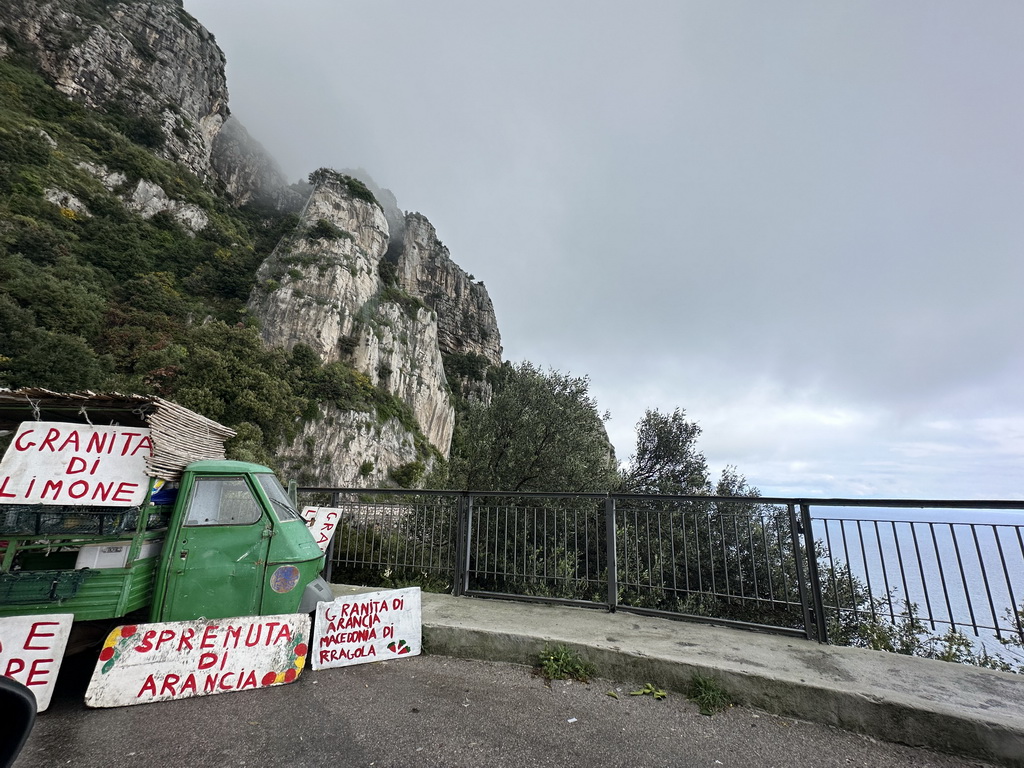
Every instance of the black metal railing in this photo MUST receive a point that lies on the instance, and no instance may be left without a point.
(876, 575)
(962, 573)
(392, 537)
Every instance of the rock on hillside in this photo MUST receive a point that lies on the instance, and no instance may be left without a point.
(324, 287)
(157, 66)
(466, 320)
(359, 282)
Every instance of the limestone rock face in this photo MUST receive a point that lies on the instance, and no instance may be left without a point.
(322, 287)
(313, 288)
(466, 320)
(399, 352)
(358, 282)
(146, 198)
(153, 63)
(348, 449)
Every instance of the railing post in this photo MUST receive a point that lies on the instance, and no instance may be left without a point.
(460, 580)
(469, 543)
(611, 555)
(812, 574)
(798, 560)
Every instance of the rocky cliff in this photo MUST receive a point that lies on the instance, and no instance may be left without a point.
(467, 327)
(465, 313)
(365, 290)
(324, 288)
(398, 309)
(156, 67)
(468, 335)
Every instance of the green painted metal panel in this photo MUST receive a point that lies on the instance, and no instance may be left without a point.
(215, 556)
(140, 587)
(99, 593)
(227, 467)
(285, 583)
(294, 558)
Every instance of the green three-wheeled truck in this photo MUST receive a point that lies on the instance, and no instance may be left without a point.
(116, 506)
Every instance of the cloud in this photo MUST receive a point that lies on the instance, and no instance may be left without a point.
(800, 221)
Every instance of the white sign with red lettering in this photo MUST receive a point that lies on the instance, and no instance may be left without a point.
(321, 522)
(52, 462)
(31, 649)
(373, 626)
(144, 663)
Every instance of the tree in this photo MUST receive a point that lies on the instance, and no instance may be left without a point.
(719, 557)
(667, 460)
(229, 376)
(541, 432)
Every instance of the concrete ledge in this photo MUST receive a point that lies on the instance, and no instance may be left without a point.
(953, 708)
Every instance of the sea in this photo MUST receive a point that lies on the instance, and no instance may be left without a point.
(962, 569)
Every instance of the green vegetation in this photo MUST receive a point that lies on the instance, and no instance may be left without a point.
(325, 230)
(708, 694)
(355, 187)
(464, 366)
(144, 129)
(408, 475)
(562, 663)
(541, 432)
(96, 297)
(667, 460)
(348, 344)
(388, 272)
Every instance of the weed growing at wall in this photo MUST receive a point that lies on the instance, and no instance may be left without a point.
(562, 663)
(708, 694)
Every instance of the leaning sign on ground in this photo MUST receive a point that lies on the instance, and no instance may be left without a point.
(31, 649)
(55, 463)
(373, 626)
(143, 663)
(321, 522)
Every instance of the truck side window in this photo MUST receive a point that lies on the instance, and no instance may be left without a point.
(222, 501)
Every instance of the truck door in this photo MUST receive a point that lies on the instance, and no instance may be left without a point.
(216, 563)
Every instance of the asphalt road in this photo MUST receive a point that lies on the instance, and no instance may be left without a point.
(439, 711)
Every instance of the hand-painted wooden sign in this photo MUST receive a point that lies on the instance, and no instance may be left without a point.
(321, 522)
(31, 649)
(373, 626)
(51, 462)
(180, 659)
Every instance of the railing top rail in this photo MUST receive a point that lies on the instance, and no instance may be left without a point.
(917, 503)
(413, 492)
(812, 502)
(1009, 504)
(375, 491)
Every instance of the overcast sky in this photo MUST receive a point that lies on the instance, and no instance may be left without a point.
(802, 222)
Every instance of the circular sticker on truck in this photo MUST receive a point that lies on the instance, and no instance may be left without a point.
(284, 578)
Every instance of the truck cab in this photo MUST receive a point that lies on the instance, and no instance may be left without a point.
(237, 547)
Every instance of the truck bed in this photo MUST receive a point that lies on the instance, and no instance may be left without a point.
(94, 562)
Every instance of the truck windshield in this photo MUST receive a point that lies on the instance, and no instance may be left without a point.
(278, 497)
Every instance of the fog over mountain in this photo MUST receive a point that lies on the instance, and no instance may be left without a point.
(799, 221)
